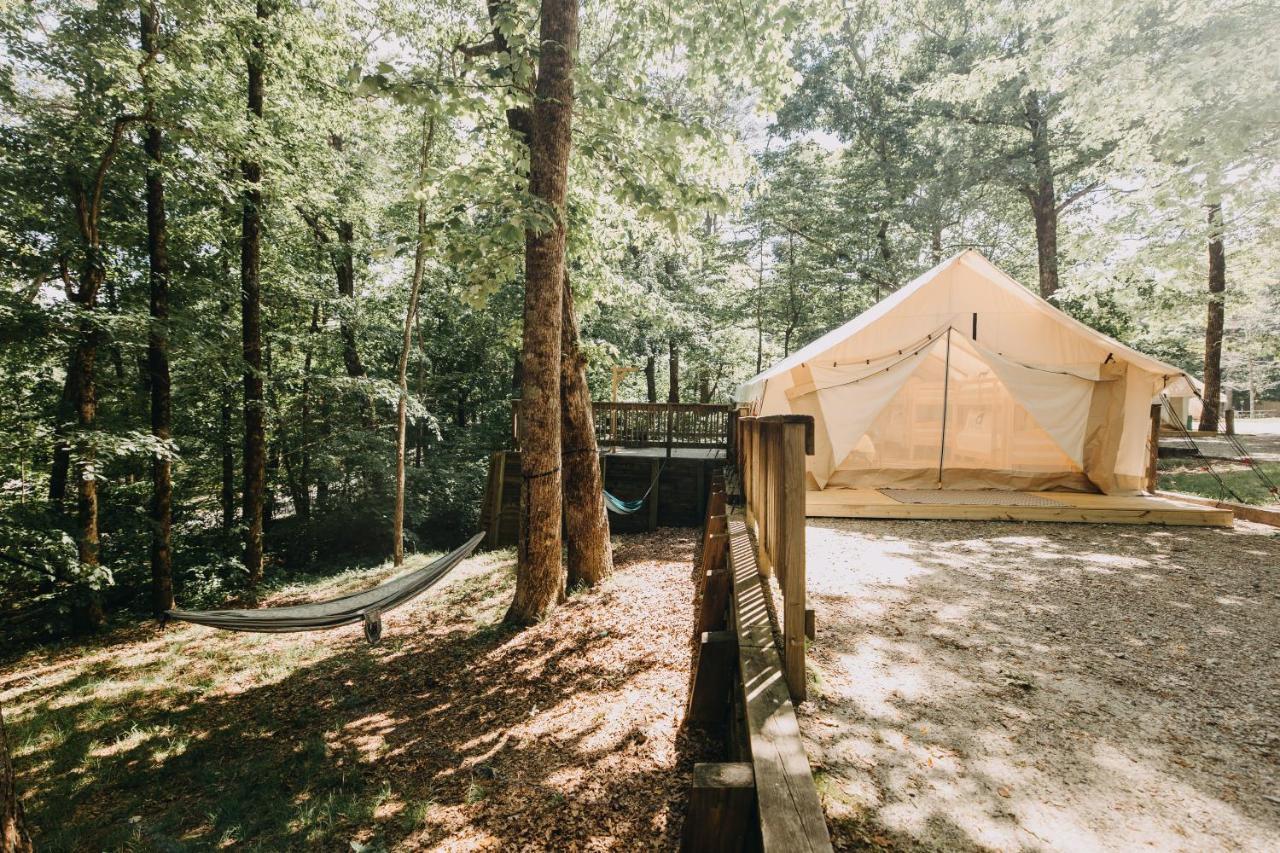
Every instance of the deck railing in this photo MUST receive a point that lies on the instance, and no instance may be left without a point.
(695, 425)
(770, 458)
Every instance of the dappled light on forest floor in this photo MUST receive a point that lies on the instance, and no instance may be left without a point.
(1010, 687)
(455, 733)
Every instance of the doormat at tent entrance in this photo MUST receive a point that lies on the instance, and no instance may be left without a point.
(967, 497)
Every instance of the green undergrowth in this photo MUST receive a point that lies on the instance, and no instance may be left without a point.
(185, 739)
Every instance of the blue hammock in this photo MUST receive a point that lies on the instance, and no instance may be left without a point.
(618, 506)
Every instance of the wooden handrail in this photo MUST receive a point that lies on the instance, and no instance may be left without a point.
(771, 455)
(686, 425)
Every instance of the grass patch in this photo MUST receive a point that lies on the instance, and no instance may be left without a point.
(195, 740)
(1177, 476)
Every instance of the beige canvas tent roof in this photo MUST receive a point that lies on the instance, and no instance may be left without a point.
(965, 379)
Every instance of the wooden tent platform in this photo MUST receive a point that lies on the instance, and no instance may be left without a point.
(1071, 507)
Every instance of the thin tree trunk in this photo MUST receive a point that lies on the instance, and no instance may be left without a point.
(61, 445)
(302, 500)
(1214, 321)
(935, 242)
(651, 378)
(673, 371)
(251, 320)
(13, 828)
(406, 343)
(158, 349)
(586, 520)
(1043, 195)
(540, 573)
(87, 612)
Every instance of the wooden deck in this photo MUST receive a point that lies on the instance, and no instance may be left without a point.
(1074, 507)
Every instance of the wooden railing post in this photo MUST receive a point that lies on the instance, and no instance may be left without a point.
(1153, 457)
(792, 558)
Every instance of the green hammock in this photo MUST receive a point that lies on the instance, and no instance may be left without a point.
(366, 607)
(618, 506)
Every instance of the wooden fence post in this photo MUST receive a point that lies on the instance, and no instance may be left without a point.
(1153, 475)
(791, 517)
(720, 807)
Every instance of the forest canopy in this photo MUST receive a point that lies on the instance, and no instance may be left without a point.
(240, 240)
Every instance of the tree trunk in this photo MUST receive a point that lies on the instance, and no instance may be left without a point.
(302, 498)
(251, 320)
(586, 519)
(1043, 195)
(1214, 323)
(61, 445)
(935, 242)
(158, 350)
(704, 386)
(228, 462)
(406, 343)
(540, 573)
(673, 371)
(13, 828)
(651, 378)
(87, 612)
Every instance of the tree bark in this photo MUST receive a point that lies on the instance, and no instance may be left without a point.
(540, 573)
(251, 319)
(61, 444)
(1214, 322)
(673, 371)
(406, 343)
(586, 519)
(651, 378)
(86, 613)
(158, 348)
(1042, 195)
(13, 828)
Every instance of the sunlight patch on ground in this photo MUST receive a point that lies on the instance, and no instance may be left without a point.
(1050, 692)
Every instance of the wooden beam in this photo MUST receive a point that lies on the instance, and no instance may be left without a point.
(1153, 448)
(713, 674)
(498, 470)
(715, 601)
(655, 475)
(791, 817)
(720, 806)
(791, 508)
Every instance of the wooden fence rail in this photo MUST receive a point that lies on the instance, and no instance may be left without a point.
(771, 455)
(695, 425)
(763, 795)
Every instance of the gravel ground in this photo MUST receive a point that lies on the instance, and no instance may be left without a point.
(1045, 686)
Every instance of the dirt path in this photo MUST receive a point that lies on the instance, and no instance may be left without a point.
(1046, 686)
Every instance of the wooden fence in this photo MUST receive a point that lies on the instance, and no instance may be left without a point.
(771, 455)
(763, 797)
(692, 425)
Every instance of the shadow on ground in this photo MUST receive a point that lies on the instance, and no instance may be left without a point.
(455, 732)
(1036, 686)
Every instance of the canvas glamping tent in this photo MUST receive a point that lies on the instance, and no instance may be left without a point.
(964, 379)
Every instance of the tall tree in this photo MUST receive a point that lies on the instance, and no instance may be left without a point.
(158, 337)
(540, 573)
(14, 837)
(1214, 322)
(255, 439)
(590, 553)
(88, 614)
(406, 344)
